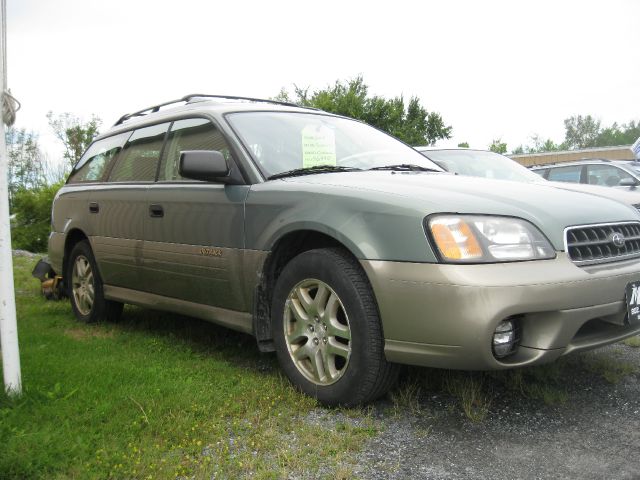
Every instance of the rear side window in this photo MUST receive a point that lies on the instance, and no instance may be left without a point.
(565, 174)
(191, 134)
(139, 158)
(96, 160)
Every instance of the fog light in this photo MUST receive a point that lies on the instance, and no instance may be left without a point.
(505, 338)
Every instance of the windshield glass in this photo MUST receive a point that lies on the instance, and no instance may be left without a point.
(477, 163)
(283, 141)
(634, 167)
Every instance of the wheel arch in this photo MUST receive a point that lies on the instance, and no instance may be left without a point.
(285, 248)
(73, 237)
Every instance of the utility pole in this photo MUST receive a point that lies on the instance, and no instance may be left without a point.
(8, 324)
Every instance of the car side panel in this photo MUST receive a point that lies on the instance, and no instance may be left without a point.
(195, 251)
(116, 232)
(70, 211)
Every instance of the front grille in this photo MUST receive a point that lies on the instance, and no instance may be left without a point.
(636, 206)
(607, 242)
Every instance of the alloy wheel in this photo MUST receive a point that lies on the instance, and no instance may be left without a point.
(317, 332)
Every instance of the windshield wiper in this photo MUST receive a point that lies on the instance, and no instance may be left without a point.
(406, 167)
(311, 170)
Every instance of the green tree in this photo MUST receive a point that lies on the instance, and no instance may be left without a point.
(585, 132)
(581, 132)
(463, 145)
(541, 145)
(75, 134)
(31, 226)
(25, 160)
(615, 135)
(498, 146)
(410, 122)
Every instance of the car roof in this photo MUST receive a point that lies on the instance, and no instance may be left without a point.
(585, 161)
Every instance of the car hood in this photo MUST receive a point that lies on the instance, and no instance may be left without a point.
(550, 208)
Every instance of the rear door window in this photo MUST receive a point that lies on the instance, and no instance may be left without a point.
(139, 158)
(96, 161)
(190, 134)
(565, 174)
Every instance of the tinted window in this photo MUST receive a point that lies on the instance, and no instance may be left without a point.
(94, 163)
(565, 174)
(139, 158)
(605, 175)
(541, 172)
(192, 134)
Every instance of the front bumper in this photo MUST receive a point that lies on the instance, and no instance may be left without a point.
(442, 315)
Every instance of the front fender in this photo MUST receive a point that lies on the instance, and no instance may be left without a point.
(370, 225)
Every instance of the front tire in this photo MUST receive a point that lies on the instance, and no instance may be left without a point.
(327, 330)
(85, 288)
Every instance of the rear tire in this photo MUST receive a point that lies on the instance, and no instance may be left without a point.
(327, 329)
(85, 287)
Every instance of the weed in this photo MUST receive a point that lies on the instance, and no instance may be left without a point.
(406, 398)
(611, 369)
(544, 382)
(632, 341)
(468, 388)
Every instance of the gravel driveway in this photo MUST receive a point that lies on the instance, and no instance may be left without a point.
(592, 433)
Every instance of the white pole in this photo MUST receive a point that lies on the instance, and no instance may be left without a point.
(8, 324)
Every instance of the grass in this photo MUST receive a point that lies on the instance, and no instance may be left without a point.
(161, 396)
(157, 396)
(610, 369)
(473, 393)
(632, 341)
(468, 389)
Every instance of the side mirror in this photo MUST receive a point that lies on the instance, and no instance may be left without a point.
(207, 165)
(628, 182)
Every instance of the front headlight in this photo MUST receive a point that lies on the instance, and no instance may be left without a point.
(487, 239)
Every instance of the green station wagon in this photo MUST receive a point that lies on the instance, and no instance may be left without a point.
(337, 246)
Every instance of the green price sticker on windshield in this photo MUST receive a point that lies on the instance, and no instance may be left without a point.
(318, 146)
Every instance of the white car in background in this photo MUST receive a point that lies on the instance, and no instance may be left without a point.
(482, 163)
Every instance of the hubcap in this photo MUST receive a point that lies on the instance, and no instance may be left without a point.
(82, 286)
(317, 332)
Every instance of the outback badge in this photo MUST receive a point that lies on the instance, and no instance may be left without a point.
(211, 252)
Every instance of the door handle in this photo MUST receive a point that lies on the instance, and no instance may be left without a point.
(156, 211)
(94, 207)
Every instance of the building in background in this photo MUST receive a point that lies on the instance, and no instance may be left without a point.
(622, 152)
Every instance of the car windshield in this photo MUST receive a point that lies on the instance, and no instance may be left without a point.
(284, 141)
(634, 167)
(476, 163)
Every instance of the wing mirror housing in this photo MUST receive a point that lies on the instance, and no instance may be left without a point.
(628, 182)
(207, 166)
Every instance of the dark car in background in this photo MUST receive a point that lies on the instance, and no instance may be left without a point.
(605, 173)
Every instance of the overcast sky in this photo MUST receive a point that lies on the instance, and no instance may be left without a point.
(507, 69)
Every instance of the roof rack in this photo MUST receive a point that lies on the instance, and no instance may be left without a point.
(191, 97)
